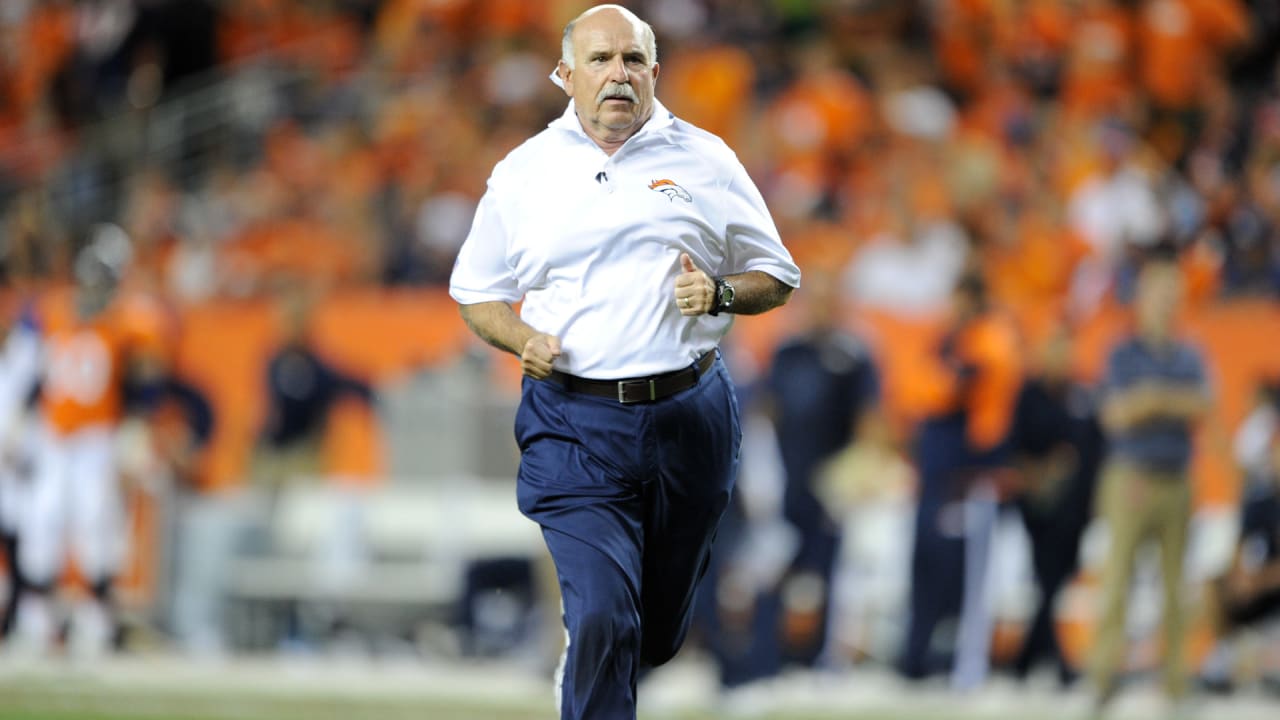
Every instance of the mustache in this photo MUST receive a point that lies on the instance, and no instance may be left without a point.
(617, 90)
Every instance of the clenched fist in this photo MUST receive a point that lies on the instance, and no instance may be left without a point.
(537, 355)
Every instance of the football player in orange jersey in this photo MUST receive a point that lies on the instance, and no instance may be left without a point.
(96, 345)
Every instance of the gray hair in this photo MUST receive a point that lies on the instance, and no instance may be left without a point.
(647, 37)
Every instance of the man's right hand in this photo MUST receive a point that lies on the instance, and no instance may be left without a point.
(538, 353)
(497, 324)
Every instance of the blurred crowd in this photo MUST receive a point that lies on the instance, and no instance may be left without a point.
(1047, 140)
(1006, 172)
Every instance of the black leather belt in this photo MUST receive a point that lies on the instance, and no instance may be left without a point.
(639, 390)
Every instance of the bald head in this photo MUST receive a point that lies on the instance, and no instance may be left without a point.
(609, 70)
(644, 33)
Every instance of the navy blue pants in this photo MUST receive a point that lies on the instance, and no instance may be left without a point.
(937, 556)
(628, 497)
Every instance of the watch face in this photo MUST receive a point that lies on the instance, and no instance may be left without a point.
(726, 294)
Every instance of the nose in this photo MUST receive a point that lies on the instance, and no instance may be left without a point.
(618, 70)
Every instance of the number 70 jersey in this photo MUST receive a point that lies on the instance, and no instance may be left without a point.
(86, 361)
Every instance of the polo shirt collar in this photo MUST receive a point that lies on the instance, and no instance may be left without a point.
(660, 119)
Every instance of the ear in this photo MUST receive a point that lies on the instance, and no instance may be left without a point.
(566, 76)
(656, 68)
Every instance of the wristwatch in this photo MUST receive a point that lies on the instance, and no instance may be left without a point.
(723, 297)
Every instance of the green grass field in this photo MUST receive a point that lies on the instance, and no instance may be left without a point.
(48, 705)
(298, 711)
(28, 705)
(167, 688)
(51, 703)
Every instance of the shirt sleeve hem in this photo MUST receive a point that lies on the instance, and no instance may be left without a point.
(473, 297)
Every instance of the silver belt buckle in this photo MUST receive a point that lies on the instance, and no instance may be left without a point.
(622, 390)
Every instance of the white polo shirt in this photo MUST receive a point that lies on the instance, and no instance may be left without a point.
(592, 243)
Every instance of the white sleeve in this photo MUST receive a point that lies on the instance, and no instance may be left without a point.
(751, 238)
(1253, 439)
(481, 273)
(20, 361)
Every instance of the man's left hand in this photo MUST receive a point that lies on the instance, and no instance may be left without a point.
(695, 290)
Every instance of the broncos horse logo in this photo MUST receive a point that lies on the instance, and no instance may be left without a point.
(671, 190)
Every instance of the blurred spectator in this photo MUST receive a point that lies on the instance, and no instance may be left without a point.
(1155, 391)
(822, 385)
(1057, 446)
(1074, 71)
(1030, 254)
(1097, 78)
(1254, 436)
(206, 525)
(1183, 43)
(738, 604)
(302, 389)
(971, 397)
(424, 245)
(1248, 594)
(867, 488)
(1116, 210)
(910, 268)
(19, 366)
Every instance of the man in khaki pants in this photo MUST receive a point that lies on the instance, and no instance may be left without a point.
(1154, 393)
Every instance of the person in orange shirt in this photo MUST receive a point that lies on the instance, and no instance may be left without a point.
(961, 440)
(99, 352)
(1098, 73)
(1183, 45)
